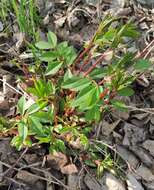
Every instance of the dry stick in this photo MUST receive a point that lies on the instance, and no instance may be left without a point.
(18, 160)
(148, 52)
(57, 181)
(145, 49)
(16, 182)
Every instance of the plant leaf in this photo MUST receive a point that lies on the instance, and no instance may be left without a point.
(53, 68)
(84, 98)
(52, 39)
(23, 130)
(43, 45)
(76, 83)
(126, 91)
(48, 56)
(21, 105)
(98, 73)
(36, 127)
(119, 105)
(142, 65)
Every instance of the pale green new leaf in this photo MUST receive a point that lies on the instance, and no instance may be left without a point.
(52, 39)
(21, 105)
(23, 130)
(43, 45)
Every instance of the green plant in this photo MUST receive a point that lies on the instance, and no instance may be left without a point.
(26, 14)
(70, 93)
(4, 8)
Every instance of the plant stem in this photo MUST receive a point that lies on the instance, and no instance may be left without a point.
(101, 58)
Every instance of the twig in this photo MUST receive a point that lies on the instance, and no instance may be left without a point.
(14, 181)
(57, 181)
(11, 87)
(148, 52)
(146, 110)
(145, 50)
(17, 161)
(101, 58)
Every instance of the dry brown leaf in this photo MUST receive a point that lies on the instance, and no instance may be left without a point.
(57, 160)
(69, 169)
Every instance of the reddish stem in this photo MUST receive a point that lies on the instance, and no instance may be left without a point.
(101, 58)
(86, 61)
(86, 50)
(104, 93)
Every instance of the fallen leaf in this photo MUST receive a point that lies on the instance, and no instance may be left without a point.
(57, 160)
(69, 169)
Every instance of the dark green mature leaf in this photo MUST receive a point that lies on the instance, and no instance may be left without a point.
(43, 45)
(142, 64)
(52, 39)
(35, 126)
(76, 83)
(98, 73)
(22, 105)
(53, 68)
(93, 114)
(119, 105)
(84, 98)
(131, 31)
(127, 91)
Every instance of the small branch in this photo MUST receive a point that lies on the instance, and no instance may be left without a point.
(145, 49)
(101, 58)
(86, 50)
(17, 161)
(86, 61)
(146, 110)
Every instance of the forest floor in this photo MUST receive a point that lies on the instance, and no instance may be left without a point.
(129, 135)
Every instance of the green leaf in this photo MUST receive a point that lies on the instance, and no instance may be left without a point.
(98, 73)
(68, 75)
(84, 98)
(76, 83)
(93, 114)
(48, 56)
(33, 108)
(23, 130)
(53, 68)
(84, 140)
(52, 39)
(36, 127)
(142, 65)
(119, 105)
(127, 91)
(43, 45)
(17, 142)
(21, 105)
(131, 31)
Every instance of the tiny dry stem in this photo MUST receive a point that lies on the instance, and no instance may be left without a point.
(144, 51)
